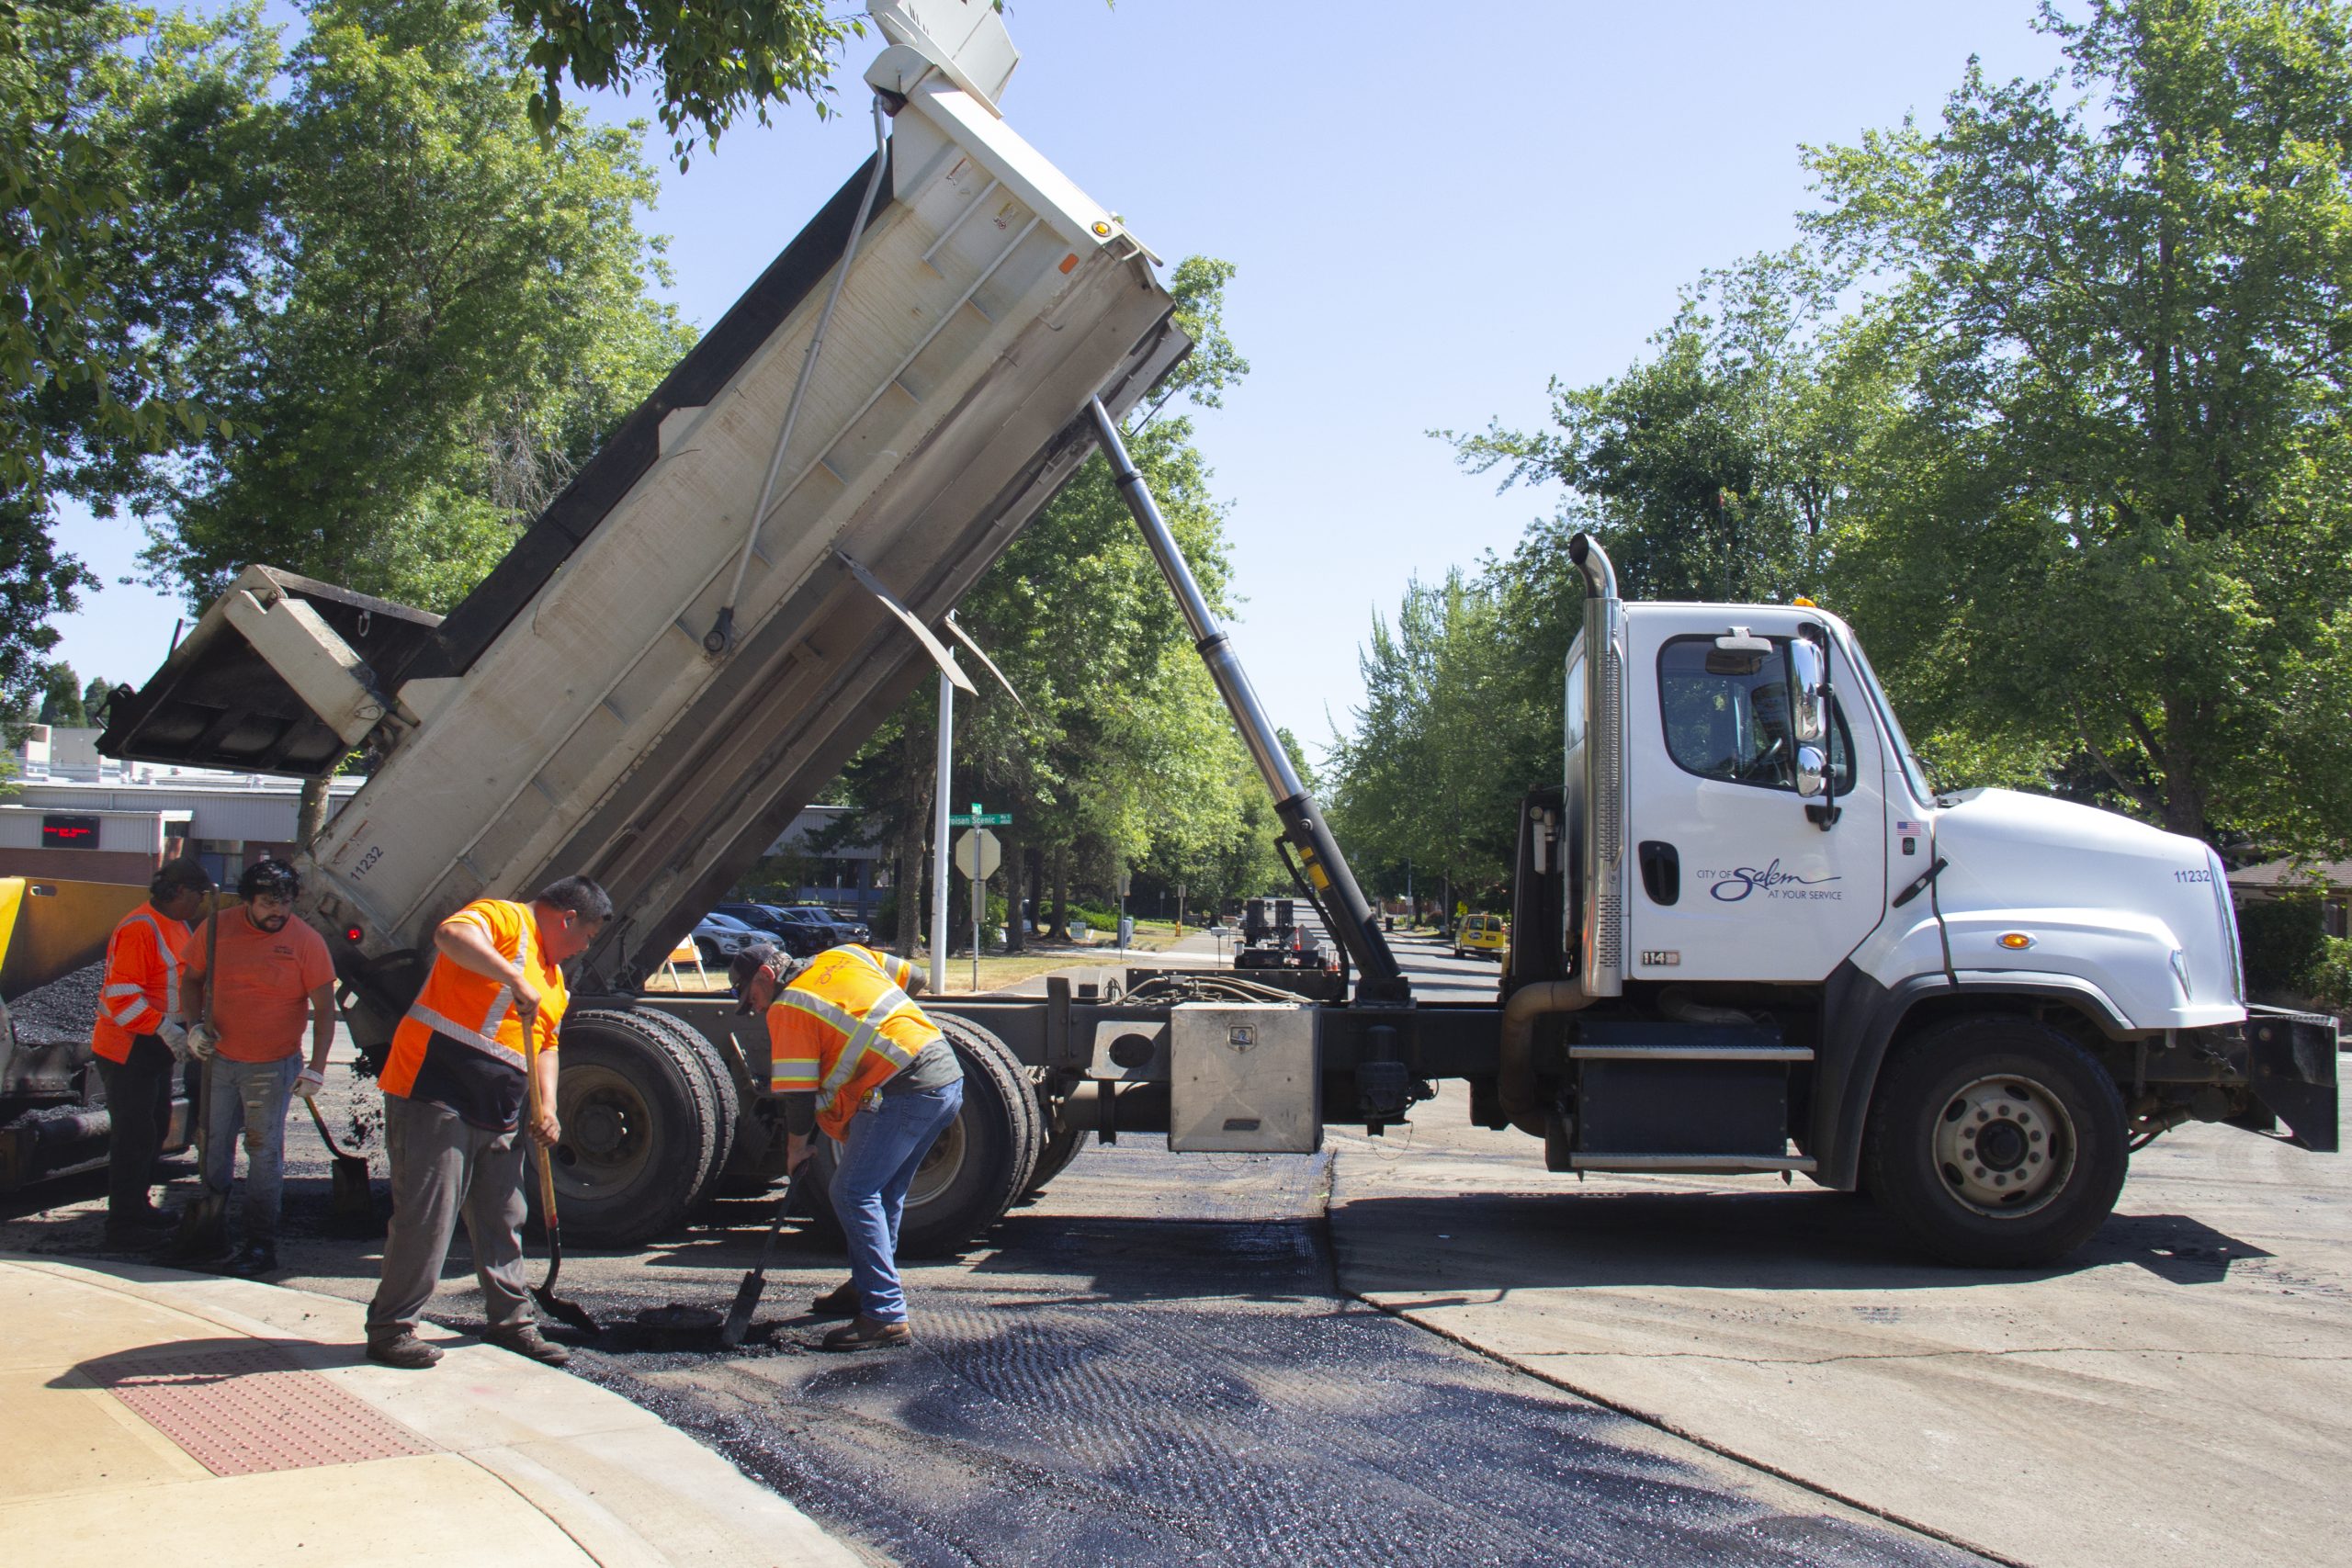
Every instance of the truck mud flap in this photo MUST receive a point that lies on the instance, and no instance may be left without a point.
(2291, 1071)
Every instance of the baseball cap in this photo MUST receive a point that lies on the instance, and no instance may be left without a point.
(749, 961)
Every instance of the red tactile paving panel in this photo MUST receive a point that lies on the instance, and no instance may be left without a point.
(243, 1409)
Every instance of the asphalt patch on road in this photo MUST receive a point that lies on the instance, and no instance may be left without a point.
(1155, 1389)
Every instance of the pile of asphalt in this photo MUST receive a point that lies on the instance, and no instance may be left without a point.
(61, 1013)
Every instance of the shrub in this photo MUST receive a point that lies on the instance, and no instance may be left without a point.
(2283, 940)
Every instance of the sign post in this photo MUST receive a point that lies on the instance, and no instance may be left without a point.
(1126, 877)
(977, 854)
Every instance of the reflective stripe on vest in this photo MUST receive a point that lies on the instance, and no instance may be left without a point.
(482, 1036)
(860, 1034)
(123, 1015)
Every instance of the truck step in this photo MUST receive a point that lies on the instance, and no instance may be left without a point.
(1663, 1053)
(1699, 1165)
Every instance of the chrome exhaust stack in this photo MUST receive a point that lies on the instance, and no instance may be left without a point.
(1600, 937)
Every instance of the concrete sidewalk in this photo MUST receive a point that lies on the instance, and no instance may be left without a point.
(144, 1411)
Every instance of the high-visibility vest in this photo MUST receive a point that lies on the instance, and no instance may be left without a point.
(141, 988)
(473, 1010)
(843, 1028)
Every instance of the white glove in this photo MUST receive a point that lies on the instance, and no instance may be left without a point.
(174, 1034)
(202, 1041)
(309, 1081)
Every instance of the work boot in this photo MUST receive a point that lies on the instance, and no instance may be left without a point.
(255, 1258)
(841, 1301)
(404, 1350)
(524, 1339)
(863, 1333)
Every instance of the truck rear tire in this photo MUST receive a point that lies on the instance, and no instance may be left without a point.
(1998, 1141)
(725, 1102)
(982, 1162)
(639, 1129)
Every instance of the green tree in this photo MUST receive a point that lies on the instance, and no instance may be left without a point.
(707, 63)
(61, 702)
(1426, 776)
(2118, 512)
(121, 228)
(449, 314)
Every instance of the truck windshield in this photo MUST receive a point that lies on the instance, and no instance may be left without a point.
(1733, 724)
(1912, 772)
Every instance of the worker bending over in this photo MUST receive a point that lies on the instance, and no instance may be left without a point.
(271, 972)
(887, 1084)
(137, 1042)
(453, 1093)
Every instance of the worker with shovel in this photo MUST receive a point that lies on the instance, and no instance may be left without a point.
(268, 972)
(887, 1083)
(477, 1042)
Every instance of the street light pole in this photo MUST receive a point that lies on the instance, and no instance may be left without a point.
(939, 833)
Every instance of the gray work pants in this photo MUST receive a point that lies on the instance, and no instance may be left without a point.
(444, 1167)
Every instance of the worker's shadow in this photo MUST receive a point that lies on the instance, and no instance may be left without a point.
(1465, 1247)
(199, 1364)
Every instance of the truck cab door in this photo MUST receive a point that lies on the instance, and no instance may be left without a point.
(1733, 874)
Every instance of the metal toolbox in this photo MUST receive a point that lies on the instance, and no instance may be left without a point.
(1244, 1080)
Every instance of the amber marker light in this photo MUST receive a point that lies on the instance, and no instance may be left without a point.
(1101, 229)
(2016, 942)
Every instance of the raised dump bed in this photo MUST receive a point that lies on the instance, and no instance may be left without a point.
(569, 716)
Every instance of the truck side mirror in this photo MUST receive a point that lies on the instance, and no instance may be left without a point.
(1812, 772)
(1809, 678)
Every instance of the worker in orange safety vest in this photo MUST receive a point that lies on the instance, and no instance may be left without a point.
(844, 1027)
(454, 1090)
(138, 1043)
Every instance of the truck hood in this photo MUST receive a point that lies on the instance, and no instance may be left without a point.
(2140, 914)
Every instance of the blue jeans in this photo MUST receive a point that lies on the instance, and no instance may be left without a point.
(878, 1164)
(252, 1096)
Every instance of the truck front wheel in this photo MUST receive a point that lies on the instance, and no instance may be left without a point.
(1998, 1141)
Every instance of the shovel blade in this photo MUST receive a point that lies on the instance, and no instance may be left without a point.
(352, 1198)
(571, 1312)
(739, 1317)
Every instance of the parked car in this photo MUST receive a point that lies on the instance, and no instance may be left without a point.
(797, 938)
(848, 924)
(815, 916)
(720, 937)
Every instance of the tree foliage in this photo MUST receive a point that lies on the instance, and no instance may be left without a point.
(2125, 467)
(446, 314)
(2052, 406)
(121, 228)
(707, 63)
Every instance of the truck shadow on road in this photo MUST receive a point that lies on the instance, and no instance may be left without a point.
(1461, 1246)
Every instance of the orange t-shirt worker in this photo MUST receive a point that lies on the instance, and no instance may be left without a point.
(264, 973)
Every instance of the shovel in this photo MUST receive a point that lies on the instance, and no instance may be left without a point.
(352, 1199)
(747, 1294)
(555, 1306)
(204, 1222)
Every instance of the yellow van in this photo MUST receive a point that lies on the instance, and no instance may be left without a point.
(1485, 935)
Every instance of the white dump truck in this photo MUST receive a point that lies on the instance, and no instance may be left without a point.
(1747, 936)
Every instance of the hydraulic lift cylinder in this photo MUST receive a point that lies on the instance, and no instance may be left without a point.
(1353, 925)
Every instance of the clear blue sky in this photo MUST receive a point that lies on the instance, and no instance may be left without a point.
(1433, 212)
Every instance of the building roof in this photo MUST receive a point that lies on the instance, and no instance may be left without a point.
(2336, 874)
